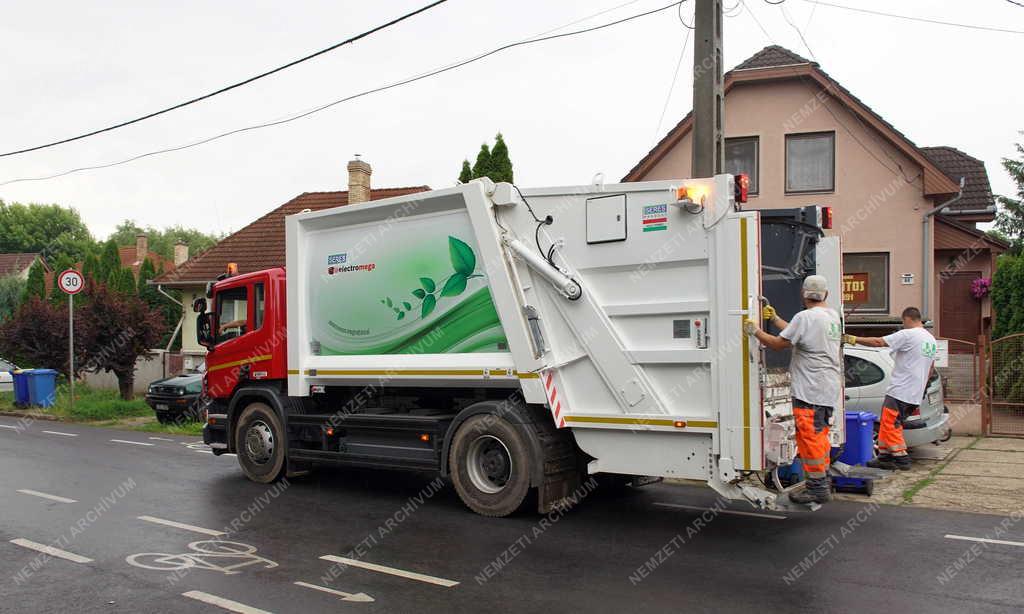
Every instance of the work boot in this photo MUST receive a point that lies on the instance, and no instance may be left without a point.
(890, 462)
(817, 490)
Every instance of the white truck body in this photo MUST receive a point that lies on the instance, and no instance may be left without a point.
(649, 366)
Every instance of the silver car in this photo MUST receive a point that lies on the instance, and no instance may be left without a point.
(867, 376)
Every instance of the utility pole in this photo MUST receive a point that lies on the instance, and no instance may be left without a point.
(708, 90)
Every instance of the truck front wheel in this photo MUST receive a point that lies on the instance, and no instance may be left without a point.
(490, 465)
(260, 443)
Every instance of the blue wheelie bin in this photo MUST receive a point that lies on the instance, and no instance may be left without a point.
(859, 449)
(20, 377)
(42, 387)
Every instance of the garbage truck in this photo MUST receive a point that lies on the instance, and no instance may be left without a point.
(519, 341)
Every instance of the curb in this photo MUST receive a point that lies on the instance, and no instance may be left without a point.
(19, 414)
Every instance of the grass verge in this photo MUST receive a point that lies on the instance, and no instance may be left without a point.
(918, 486)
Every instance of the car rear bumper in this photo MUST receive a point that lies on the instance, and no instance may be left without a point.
(169, 404)
(934, 431)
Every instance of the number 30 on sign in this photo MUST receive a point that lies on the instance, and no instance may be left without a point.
(71, 281)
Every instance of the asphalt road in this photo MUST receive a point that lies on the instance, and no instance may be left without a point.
(415, 548)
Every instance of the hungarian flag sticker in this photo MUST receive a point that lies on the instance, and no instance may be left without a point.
(655, 217)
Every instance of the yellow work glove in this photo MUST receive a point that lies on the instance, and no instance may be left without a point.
(768, 313)
(749, 326)
(849, 340)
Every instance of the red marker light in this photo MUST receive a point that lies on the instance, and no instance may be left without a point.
(741, 187)
(826, 218)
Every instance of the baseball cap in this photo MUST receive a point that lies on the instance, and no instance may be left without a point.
(815, 287)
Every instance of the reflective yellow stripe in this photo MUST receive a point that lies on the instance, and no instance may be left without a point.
(441, 372)
(236, 363)
(707, 424)
(527, 375)
(293, 371)
(744, 289)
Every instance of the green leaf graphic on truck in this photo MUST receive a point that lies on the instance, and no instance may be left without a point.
(463, 261)
(422, 298)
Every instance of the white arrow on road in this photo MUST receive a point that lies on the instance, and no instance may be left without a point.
(361, 597)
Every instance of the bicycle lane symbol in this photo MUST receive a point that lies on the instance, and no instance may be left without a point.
(214, 555)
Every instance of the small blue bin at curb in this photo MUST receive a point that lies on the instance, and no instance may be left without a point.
(42, 387)
(20, 381)
(859, 449)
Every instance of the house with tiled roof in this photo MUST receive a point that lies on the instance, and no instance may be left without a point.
(908, 229)
(18, 264)
(261, 245)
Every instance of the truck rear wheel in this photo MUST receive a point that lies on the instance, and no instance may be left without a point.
(260, 443)
(490, 465)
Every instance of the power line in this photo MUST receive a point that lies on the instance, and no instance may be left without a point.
(785, 15)
(1015, 3)
(382, 88)
(228, 87)
(675, 77)
(921, 19)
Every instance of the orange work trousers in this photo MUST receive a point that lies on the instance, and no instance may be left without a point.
(812, 444)
(890, 426)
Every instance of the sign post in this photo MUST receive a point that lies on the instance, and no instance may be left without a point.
(71, 282)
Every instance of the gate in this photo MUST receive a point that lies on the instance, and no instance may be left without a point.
(1006, 386)
(961, 378)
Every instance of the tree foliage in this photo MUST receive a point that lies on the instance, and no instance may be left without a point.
(12, 289)
(1008, 296)
(162, 241)
(466, 175)
(51, 230)
(35, 286)
(37, 336)
(1010, 218)
(491, 162)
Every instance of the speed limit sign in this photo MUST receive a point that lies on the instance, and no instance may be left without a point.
(71, 281)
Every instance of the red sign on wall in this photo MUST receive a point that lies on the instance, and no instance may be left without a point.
(855, 288)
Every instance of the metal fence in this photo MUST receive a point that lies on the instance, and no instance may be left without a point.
(1006, 386)
(961, 378)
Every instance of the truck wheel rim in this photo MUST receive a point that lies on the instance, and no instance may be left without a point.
(259, 443)
(489, 464)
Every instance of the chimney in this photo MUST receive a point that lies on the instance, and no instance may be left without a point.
(358, 181)
(180, 253)
(141, 247)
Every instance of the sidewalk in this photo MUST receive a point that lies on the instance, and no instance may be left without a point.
(969, 474)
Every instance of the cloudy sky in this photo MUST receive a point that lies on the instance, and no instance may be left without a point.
(568, 108)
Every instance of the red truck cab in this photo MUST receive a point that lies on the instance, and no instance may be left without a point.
(244, 332)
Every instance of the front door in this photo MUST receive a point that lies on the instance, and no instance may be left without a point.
(959, 312)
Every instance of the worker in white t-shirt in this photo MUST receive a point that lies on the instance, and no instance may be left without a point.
(913, 352)
(815, 379)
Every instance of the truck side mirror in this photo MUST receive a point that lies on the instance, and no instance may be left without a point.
(199, 305)
(204, 330)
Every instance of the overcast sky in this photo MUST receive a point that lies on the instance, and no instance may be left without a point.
(568, 108)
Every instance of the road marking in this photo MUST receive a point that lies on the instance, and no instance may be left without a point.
(57, 552)
(134, 443)
(227, 604)
(985, 540)
(391, 570)
(361, 597)
(182, 525)
(7, 426)
(204, 451)
(733, 512)
(161, 439)
(36, 493)
(61, 434)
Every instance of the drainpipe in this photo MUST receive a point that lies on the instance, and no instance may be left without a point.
(928, 255)
(177, 328)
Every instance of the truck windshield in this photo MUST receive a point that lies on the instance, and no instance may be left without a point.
(232, 313)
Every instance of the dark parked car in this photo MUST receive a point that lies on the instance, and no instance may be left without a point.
(176, 398)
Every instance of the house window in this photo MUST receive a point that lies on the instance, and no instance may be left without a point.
(811, 162)
(866, 282)
(741, 157)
